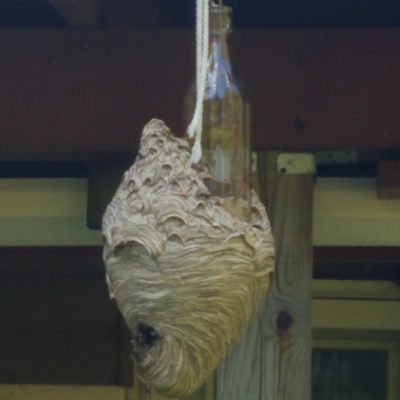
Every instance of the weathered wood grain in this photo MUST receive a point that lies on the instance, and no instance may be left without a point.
(273, 361)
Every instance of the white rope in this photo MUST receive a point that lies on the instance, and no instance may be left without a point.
(195, 127)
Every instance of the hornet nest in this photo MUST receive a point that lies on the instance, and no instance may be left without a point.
(186, 274)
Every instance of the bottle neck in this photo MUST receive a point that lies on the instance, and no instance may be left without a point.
(220, 28)
(219, 44)
(220, 76)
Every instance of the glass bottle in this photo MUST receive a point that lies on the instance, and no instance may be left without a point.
(226, 121)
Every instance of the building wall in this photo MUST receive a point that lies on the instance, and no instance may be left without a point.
(53, 212)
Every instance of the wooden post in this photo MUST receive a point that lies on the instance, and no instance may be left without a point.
(273, 361)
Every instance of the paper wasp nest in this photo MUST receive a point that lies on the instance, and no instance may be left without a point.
(186, 274)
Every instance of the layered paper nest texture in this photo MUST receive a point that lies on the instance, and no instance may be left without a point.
(186, 274)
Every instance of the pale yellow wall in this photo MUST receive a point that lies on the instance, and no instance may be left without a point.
(53, 212)
(41, 392)
(44, 212)
(348, 213)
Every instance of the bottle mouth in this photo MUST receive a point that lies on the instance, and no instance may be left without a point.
(220, 18)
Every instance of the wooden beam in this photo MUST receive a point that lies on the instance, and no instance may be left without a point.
(357, 263)
(347, 255)
(388, 180)
(87, 94)
(340, 289)
(286, 323)
(273, 361)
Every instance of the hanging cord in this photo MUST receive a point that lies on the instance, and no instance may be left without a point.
(195, 128)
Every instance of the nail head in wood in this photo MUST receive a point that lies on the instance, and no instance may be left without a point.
(296, 163)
